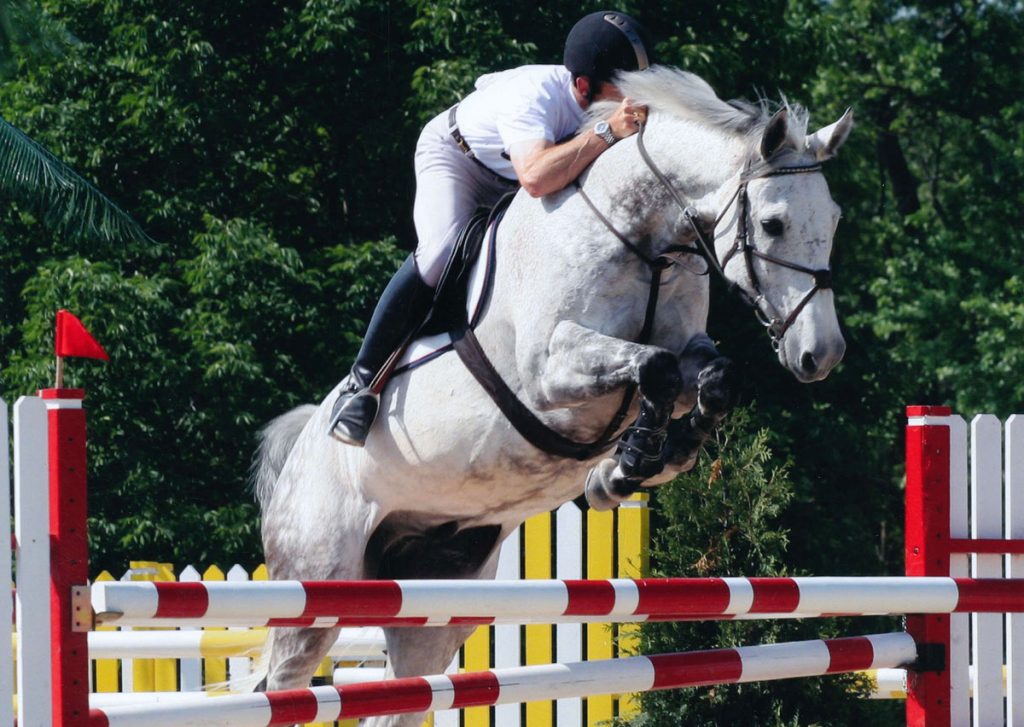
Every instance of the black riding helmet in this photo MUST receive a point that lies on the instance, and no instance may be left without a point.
(605, 42)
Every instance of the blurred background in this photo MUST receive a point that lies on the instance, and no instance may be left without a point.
(263, 149)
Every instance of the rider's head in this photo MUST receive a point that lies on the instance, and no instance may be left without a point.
(605, 42)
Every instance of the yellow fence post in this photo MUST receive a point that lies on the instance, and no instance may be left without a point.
(539, 554)
(214, 670)
(476, 656)
(633, 534)
(107, 674)
(152, 675)
(600, 636)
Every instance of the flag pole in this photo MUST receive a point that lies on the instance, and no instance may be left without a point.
(60, 373)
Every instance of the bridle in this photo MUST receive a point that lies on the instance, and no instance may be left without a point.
(774, 322)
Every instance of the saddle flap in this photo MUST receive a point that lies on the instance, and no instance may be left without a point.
(464, 288)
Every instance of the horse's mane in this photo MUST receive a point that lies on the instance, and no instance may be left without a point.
(688, 96)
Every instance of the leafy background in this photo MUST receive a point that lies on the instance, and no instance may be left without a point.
(265, 148)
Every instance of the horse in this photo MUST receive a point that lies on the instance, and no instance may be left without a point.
(569, 327)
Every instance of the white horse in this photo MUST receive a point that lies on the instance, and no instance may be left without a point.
(444, 476)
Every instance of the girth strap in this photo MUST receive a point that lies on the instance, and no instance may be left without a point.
(532, 429)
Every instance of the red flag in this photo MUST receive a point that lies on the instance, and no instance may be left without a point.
(73, 340)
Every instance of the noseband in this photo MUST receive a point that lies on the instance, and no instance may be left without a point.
(774, 322)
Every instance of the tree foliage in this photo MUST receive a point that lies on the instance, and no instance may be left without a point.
(265, 146)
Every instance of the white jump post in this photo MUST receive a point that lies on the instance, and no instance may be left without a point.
(938, 541)
(6, 609)
(52, 557)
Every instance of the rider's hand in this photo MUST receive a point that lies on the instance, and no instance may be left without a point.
(627, 118)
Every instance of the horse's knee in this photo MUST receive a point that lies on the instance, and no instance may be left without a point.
(423, 651)
(295, 655)
(659, 378)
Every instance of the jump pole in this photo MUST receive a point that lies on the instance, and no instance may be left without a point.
(414, 603)
(529, 683)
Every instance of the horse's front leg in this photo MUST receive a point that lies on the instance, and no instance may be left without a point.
(654, 449)
(716, 380)
(582, 365)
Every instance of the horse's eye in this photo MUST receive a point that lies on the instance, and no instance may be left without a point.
(772, 226)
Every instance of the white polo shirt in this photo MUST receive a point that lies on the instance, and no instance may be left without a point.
(528, 103)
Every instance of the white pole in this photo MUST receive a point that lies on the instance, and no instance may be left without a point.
(6, 608)
(352, 644)
(32, 528)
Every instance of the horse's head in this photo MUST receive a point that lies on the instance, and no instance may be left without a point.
(760, 175)
(775, 243)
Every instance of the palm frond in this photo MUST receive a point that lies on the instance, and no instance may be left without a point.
(65, 201)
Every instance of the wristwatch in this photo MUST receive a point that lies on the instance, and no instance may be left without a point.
(604, 131)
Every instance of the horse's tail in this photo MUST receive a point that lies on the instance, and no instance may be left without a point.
(276, 442)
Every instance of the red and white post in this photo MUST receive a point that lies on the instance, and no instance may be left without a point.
(965, 518)
(69, 553)
(926, 536)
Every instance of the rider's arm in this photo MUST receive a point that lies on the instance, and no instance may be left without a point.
(544, 167)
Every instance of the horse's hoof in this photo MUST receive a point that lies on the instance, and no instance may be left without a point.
(607, 486)
(596, 489)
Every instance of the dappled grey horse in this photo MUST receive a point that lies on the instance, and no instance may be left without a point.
(599, 289)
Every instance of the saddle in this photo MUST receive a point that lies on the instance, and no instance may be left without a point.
(464, 288)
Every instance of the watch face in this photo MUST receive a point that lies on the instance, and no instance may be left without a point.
(601, 127)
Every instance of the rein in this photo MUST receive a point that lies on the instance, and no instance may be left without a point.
(539, 434)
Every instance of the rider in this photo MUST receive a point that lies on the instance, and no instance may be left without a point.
(508, 132)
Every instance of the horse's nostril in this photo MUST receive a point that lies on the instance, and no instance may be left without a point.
(808, 362)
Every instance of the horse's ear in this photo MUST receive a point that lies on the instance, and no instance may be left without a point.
(775, 133)
(824, 143)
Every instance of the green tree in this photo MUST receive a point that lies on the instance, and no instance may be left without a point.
(726, 518)
(267, 147)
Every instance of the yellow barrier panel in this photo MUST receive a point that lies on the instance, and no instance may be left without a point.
(153, 675)
(165, 671)
(633, 533)
(214, 670)
(615, 545)
(539, 637)
(107, 675)
(600, 637)
(476, 656)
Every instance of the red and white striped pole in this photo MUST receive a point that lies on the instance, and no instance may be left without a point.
(326, 604)
(927, 548)
(524, 684)
(69, 553)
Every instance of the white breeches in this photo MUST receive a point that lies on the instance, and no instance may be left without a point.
(449, 188)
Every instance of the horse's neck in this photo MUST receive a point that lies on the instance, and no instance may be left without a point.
(700, 162)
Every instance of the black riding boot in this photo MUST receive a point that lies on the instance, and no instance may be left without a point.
(403, 306)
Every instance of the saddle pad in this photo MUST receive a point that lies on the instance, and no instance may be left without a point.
(481, 278)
